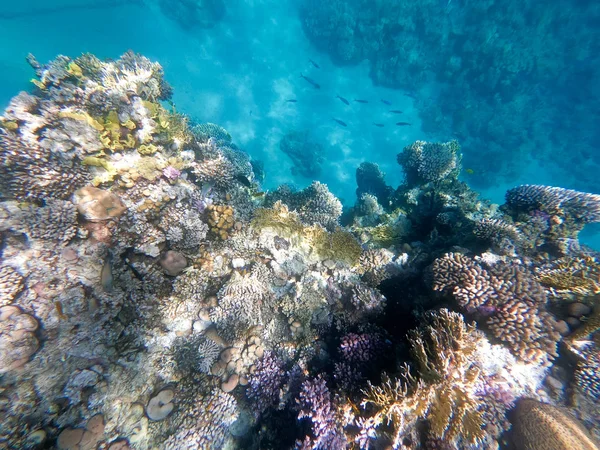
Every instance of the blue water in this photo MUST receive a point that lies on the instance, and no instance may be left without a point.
(240, 73)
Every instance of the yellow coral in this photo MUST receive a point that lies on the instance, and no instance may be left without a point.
(445, 392)
(338, 245)
(578, 276)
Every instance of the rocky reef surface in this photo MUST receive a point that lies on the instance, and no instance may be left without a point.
(151, 296)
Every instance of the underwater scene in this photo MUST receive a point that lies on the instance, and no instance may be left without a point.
(304, 224)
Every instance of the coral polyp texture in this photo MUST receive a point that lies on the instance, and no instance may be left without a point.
(151, 296)
(508, 296)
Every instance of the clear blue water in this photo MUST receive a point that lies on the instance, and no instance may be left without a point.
(240, 73)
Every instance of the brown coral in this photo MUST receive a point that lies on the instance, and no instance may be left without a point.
(220, 219)
(445, 394)
(11, 284)
(571, 276)
(509, 295)
(540, 426)
(97, 204)
(17, 340)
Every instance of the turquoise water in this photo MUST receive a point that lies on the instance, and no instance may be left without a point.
(239, 74)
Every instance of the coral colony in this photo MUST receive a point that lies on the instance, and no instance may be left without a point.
(152, 297)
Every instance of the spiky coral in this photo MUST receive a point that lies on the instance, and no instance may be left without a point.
(508, 295)
(445, 393)
(571, 276)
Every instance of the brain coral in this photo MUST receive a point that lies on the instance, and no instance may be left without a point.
(540, 426)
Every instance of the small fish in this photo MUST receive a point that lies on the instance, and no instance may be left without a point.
(396, 111)
(292, 100)
(313, 82)
(244, 180)
(361, 101)
(106, 276)
(59, 310)
(314, 63)
(380, 125)
(346, 102)
(470, 171)
(410, 94)
(258, 194)
(402, 124)
(386, 102)
(340, 122)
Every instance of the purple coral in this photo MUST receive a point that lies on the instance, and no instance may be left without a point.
(360, 348)
(316, 404)
(171, 173)
(266, 382)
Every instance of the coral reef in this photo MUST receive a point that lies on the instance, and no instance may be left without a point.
(150, 298)
(314, 204)
(512, 301)
(446, 393)
(424, 162)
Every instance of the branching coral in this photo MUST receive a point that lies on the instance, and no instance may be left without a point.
(11, 284)
(508, 295)
(567, 211)
(314, 205)
(572, 276)
(424, 162)
(445, 393)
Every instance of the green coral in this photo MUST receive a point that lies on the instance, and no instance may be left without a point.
(338, 245)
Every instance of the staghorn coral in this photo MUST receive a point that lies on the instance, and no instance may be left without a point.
(540, 426)
(205, 131)
(571, 276)
(314, 204)
(315, 403)
(377, 265)
(55, 221)
(218, 171)
(566, 203)
(29, 172)
(264, 388)
(424, 162)
(445, 393)
(587, 374)
(501, 235)
(508, 295)
(204, 422)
